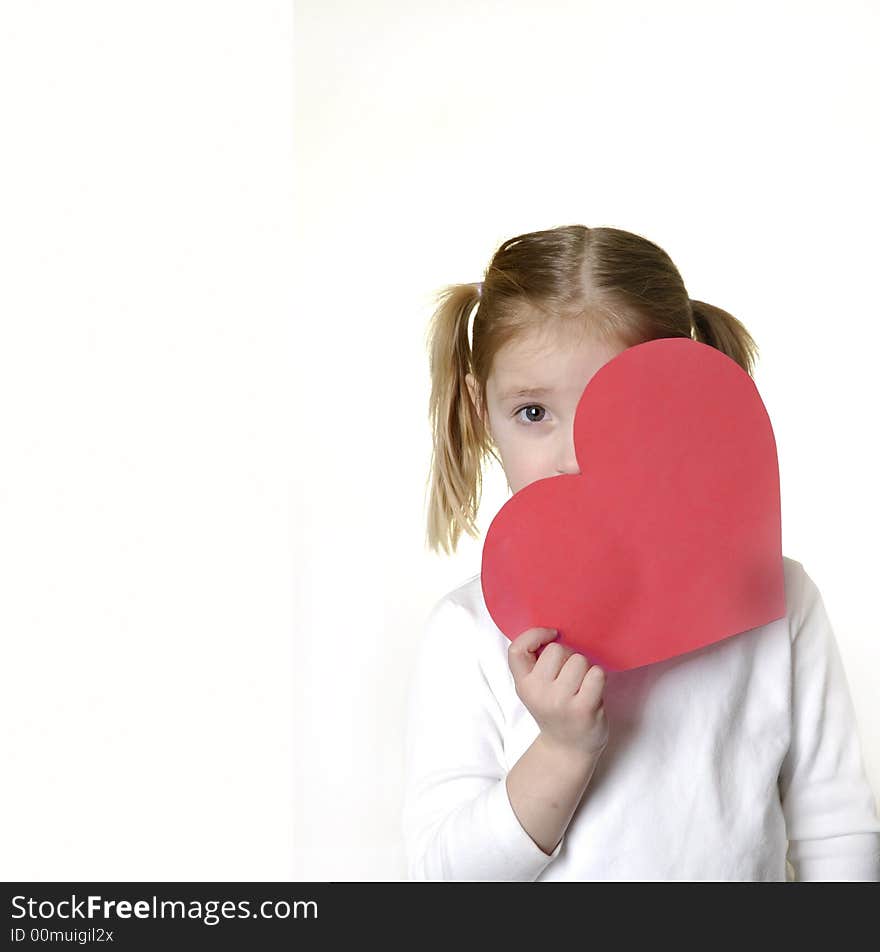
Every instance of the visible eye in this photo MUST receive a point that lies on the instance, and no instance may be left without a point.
(529, 418)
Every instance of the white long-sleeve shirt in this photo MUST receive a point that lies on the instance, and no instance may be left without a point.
(721, 763)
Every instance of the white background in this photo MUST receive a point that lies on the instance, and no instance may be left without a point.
(221, 225)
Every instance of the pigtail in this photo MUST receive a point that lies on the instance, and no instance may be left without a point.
(723, 331)
(458, 437)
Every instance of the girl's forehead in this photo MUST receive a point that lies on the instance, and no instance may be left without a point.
(549, 347)
(558, 360)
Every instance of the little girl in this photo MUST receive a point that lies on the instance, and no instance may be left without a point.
(737, 761)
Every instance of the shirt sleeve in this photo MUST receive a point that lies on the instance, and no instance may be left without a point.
(458, 823)
(830, 811)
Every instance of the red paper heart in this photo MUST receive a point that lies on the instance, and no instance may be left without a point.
(670, 537)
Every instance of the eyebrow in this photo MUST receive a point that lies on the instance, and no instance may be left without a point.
(526, 392)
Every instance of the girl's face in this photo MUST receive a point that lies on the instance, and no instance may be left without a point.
(532, 394)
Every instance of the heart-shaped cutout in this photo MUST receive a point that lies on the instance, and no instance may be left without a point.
(670, 537)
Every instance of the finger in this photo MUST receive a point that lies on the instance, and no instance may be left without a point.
(553, 657)
(521, 652)
(572, 673)
(592, 686)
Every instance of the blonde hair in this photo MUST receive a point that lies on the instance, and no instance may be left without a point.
(614, 283)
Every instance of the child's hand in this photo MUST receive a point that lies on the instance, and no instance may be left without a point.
(561, 689)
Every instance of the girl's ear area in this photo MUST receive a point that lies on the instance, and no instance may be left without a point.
(474, 392)
(475, 396)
